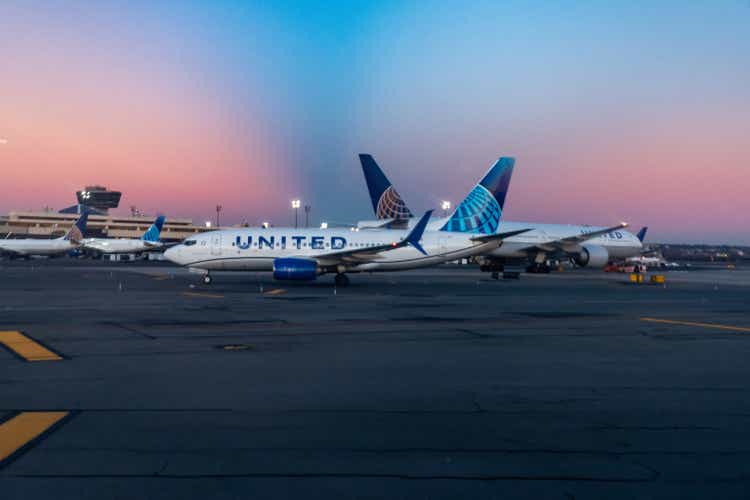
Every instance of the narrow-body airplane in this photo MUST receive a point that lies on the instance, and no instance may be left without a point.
(586, 246)
(304, 254)
(27, 247)
(149, 241)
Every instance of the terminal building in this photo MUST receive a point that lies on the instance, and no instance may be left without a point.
(97, 200)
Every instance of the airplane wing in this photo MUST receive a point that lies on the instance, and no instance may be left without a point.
(564, 244)
(580, 238)
(498, 236)
(368, 254)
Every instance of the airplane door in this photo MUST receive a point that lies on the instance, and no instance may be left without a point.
(216, 244)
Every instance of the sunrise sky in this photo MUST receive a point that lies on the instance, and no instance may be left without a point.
(614, 110)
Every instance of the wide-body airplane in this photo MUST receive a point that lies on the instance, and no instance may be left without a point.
(304, 254)
(589, 246)
(149, 241)
(27, 247)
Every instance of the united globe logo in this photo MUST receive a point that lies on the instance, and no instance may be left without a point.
(391, 206)
(478, 213)
(75, 234)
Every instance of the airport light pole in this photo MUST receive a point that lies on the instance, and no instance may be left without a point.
(219, 208)
(295, 206)
(307, 215)
(445, 205)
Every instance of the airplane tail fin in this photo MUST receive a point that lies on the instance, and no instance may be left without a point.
(481, 210)
(386, 202)
(153, 232)
(79, 228)
(642, 234)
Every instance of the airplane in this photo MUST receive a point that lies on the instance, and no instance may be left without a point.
(586, 246)
(149, 241)
(27, 247)
(304, 254)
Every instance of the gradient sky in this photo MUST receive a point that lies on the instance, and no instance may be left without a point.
(633, 111)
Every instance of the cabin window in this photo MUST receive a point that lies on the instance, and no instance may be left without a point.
(190, 243)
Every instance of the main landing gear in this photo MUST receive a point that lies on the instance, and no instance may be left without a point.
(207, 279)
(492, 266)
(538, 269)
(341, 279)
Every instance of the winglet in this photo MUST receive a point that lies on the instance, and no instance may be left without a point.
(642, 234)
(416, 233)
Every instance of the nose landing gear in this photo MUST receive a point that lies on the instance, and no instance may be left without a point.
(207, 279)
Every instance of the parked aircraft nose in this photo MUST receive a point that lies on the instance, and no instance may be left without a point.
(173, 254)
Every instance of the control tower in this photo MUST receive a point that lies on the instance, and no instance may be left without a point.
(98, 197)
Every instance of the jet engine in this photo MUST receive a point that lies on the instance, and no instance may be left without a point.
(592, 256)
(295, 269)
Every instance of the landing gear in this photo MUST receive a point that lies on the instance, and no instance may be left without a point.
(538, 269)
(341, 280)
(492, 265)
(207, 279)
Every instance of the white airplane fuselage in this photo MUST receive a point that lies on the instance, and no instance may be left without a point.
(120, 245)
(619, 243)
(28, 246)
(256, 249)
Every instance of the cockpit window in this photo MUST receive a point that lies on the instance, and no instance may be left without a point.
(189, 242)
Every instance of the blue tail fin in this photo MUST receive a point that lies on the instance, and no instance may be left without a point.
(417, 231)
(386, 202)
(481, 210)
(153, 232)
(78, 230)
(642, 234)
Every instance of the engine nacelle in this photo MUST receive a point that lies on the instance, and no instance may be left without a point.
(592, 256)
(295, 269)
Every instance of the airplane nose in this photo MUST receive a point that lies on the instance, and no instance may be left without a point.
(172, 254)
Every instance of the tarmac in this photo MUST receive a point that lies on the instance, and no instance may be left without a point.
(137, 381)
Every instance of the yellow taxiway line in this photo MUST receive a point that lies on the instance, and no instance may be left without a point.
(25, 427)
(27, 348)
(702, 325)
(275, 291)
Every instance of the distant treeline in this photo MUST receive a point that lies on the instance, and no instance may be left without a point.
(703, 253)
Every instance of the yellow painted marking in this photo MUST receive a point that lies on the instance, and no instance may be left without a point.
(703, 325)
(204, 295)
(24, 427)
(26, 347)
(275, 291)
